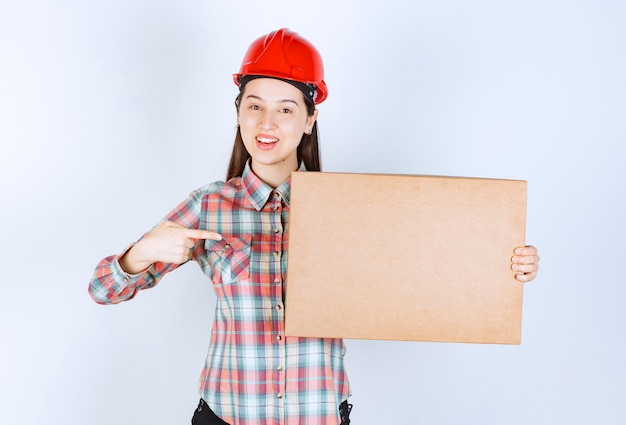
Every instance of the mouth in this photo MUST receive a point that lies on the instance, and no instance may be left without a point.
(266, 142)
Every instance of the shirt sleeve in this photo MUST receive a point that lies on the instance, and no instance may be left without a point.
(110, 284)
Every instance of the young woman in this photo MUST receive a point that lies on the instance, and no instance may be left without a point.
(237, 232)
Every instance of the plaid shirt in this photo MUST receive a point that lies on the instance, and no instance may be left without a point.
(253, 373)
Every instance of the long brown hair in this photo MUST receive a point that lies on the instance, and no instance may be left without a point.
(308, 149)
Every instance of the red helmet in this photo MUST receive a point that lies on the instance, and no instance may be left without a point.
(285, 54)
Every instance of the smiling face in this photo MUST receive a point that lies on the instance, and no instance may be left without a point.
(272, 119)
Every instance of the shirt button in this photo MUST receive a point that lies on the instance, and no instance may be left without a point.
(277, 280)
(279, 368)
(279, 307)
(275, 230)
(279, 338)
(279, 395)
(276, 253)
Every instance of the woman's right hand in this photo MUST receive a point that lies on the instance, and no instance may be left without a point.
(169, 242)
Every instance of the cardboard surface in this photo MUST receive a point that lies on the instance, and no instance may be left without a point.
(414, 258)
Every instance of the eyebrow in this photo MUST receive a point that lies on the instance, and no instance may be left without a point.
(280, 101)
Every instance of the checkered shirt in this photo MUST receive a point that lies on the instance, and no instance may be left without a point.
(254, 374)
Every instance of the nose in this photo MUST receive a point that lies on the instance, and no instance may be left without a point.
(267, 119)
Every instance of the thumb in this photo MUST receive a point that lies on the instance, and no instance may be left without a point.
(171, 224)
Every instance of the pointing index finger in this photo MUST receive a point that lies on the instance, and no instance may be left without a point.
(202, 234)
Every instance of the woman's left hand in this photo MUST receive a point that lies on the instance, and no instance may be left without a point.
(525, 262)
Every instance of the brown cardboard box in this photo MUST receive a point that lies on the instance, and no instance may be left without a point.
(397, 257)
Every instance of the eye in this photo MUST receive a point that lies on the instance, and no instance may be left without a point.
(254, 107)
(285, 110)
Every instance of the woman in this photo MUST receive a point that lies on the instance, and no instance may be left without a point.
(237, 232)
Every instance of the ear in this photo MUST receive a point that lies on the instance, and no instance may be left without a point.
(310, 121)
(237, 109)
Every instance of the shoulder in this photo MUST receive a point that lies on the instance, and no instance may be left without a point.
(228, 189)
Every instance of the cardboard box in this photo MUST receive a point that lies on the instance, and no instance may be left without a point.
(397, 257)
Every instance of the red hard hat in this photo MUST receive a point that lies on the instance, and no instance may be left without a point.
(285, 54)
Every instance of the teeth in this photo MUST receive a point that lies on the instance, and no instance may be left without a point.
(266, 140)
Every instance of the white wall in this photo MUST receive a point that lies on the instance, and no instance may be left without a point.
(112, 111)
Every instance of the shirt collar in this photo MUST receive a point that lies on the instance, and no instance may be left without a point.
(259, 192)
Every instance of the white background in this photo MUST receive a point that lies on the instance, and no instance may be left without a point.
(111, 112)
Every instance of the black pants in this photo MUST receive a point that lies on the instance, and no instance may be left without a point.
(205, 416)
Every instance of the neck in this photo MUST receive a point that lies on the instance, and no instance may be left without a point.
(274, 174)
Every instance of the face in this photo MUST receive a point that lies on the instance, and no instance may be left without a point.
(272, 119)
